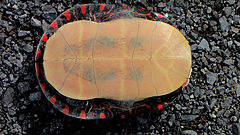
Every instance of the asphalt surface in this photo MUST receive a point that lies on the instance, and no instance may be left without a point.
(208, 105)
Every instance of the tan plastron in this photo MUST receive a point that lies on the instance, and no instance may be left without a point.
(124, 59)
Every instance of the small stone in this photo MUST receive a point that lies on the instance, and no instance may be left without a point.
(189, 117)
(236, 128)
(204, 45)
(227, 113)
(152, 127)
(22, 33)
(213, 103)
(237, 43)
(161, 4)
(2, 37)
(225, 26)
(236, 18)
(220, 122)
(209, 10)
(231, 2)
(227, 11)
(213, 116)
(179, 3)
(36, 96)
(213, 23)
(194, 35)
(237, 90)
(50, 15)
(35, 22)
(226, 103)
(198, 92)
(28, 48)
(228, 62)
(194, 47)
(233, 118)
(234, 29)
(139, 133)
(211, 77)
(23, 87)
(189, 132)
(8, 96)
(215, 14)
(213, 59)
(178, 107)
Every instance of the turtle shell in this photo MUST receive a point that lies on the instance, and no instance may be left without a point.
(105, 61)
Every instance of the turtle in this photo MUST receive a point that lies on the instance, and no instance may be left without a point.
(101, 61)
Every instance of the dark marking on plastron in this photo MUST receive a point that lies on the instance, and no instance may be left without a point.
(136, 75)
(67, 65)
(88, 74)
(105, 76)
(136, 42)
(72, 48)
(87, 44)
(105, 41)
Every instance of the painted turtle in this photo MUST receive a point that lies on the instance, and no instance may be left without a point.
(104, 61)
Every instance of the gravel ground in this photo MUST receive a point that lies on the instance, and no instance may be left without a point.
(208, 105)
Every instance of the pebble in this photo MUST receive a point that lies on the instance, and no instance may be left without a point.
(194, 47)
(189, 117)
(8, 96)
(233, 118)
(23, 87)
(204, 45)
(231, 2)
(178, 107)
(23, 33)
(226, 103)
(50, 15)
(36, 96)
(35, 22)
(211, 77)
(227, 114)
(227, 11)
(237, 90)
(224, 25)
(189, 132)
(28, 48)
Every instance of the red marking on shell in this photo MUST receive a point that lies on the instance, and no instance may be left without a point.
(53, 99)
(37, 68)
(160, 16)
(109, 11)
(66, 110)
(44, 37)
(102, 7)
(83, 8)
(142, 114)
(174, 26)
(38, 53)
(54, 24)
(124, 5)
(160, 106)
(102, 115)
(67, 14)
(123, 116)
(185, 84)
(82, 114)
(43, 86)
